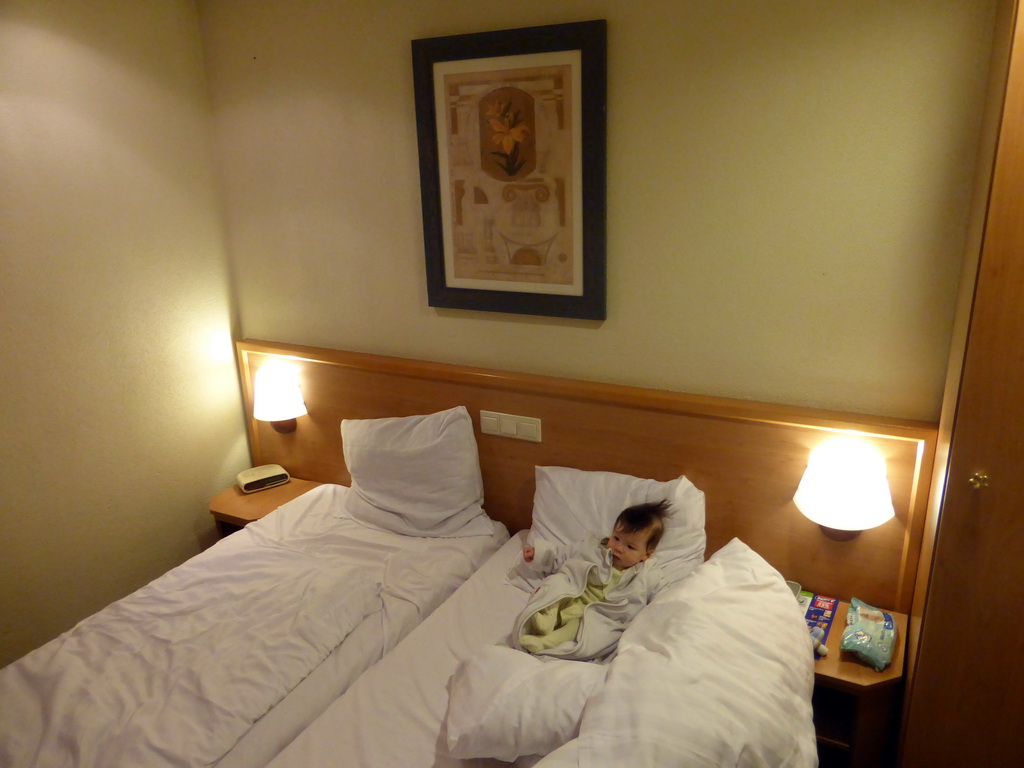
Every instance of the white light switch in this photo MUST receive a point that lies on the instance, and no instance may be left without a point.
(509, 425)
(529, 430)
(488, 423)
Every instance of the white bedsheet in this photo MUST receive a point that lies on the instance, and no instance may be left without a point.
(391, 716)
(717, 671)
(177, 672)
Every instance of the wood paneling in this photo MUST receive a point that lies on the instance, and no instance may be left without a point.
(966, 697)
(747, 457)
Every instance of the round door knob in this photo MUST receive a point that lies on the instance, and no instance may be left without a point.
(978, 480)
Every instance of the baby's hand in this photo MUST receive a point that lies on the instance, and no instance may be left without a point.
(528, 554)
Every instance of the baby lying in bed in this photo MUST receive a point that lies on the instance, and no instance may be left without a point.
(606, 583)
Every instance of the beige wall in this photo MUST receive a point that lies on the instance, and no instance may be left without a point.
(788, 190)
(120, 411)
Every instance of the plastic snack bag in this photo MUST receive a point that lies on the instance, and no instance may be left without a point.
(870, 634)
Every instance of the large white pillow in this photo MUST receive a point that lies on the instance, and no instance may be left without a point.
(416, 475)
(505, 704)
(571, 504)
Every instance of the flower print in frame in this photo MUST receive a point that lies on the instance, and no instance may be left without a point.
(512, 130)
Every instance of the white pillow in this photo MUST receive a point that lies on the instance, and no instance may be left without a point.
(505, 704)
(416, 475)
(571, 504)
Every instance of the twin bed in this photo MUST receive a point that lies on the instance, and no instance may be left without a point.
(224, 658)
(716, 671)
(283, 644)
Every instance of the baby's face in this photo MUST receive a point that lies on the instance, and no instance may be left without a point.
(628, 549)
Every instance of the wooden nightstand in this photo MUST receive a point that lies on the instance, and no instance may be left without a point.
(232, 509)
(855, 707)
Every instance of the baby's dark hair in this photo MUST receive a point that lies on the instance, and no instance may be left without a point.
(649, 516)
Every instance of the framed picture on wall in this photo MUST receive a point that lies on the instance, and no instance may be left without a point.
(511, 128)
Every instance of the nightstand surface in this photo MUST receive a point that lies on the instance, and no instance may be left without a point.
(841, 668)
(855, 706)
(234, 508)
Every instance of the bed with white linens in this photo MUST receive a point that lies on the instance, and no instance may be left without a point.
(722, 653)
(222, 660)
(716, 671)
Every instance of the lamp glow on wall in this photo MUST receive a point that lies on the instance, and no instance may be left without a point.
(276, 396)
(844, 488)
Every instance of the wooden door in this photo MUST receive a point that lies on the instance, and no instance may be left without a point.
(966, 702)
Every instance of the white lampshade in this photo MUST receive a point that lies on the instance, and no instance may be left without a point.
(844, 486)
(276, 393)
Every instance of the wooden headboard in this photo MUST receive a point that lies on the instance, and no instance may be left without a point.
(747, 457)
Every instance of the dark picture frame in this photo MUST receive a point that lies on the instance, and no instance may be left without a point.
(512, 129)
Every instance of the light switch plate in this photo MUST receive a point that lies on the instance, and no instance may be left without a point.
(510, 425)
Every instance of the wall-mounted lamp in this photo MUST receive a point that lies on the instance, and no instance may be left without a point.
(277, 397)
(844, 488)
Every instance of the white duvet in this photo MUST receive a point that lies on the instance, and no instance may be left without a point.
(176, 673)
(716, 671)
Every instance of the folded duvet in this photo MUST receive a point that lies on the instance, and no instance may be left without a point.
(175, 673)
(717, 671)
